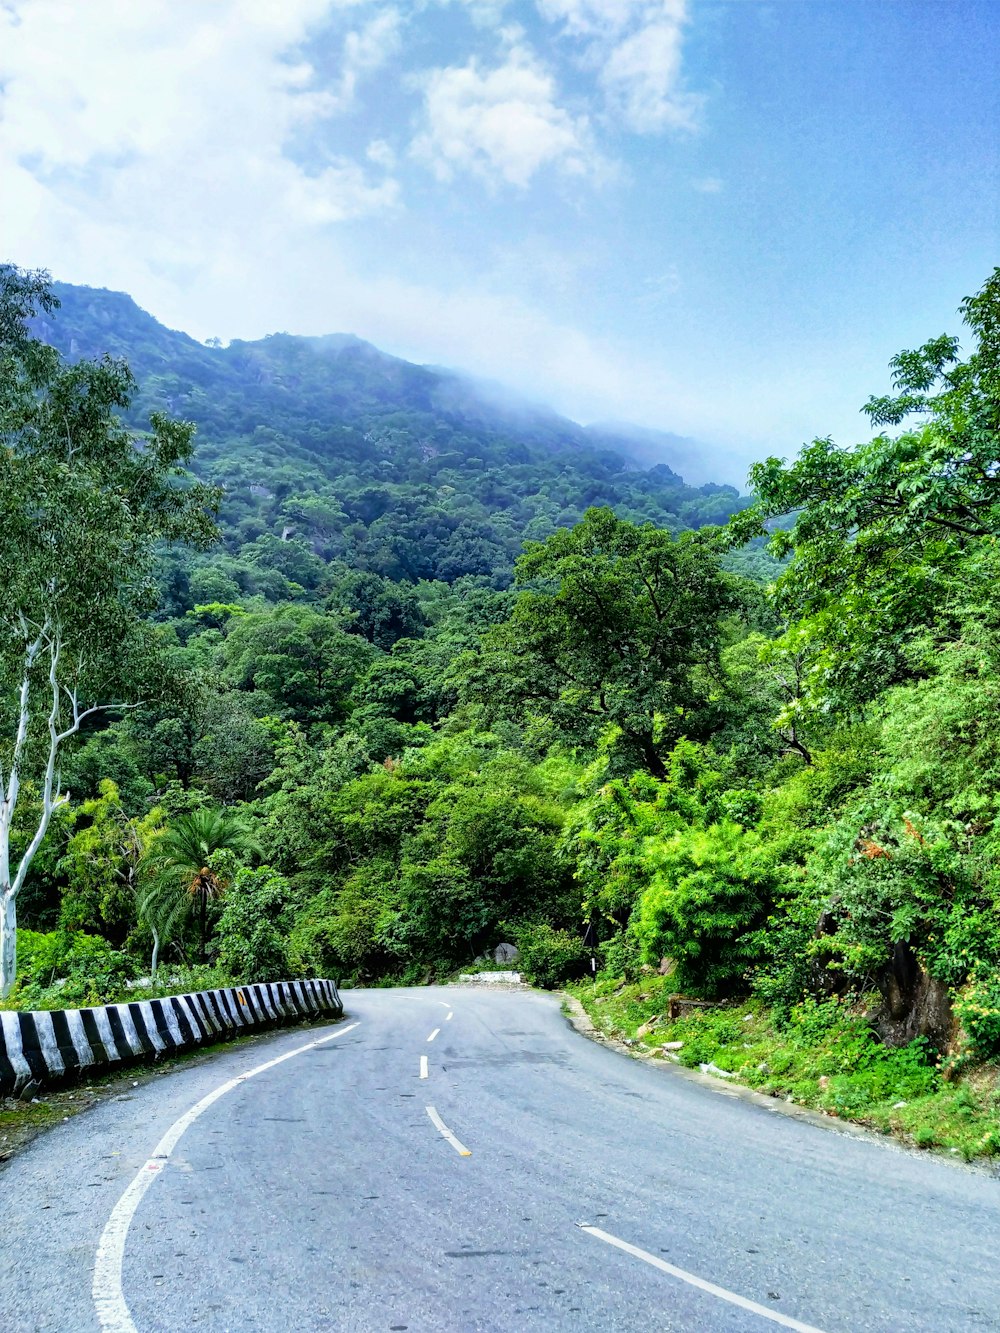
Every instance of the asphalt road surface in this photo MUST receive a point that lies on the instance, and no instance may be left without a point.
(462, 1159)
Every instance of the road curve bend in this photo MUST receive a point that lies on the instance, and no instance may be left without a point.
(457, 1159)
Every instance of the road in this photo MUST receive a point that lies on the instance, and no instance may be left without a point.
(325, 1193)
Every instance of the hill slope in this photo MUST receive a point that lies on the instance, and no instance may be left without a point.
(345, 453)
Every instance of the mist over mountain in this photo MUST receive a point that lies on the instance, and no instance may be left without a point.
(414, 472)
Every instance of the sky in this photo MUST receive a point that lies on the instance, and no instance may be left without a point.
(715, 219)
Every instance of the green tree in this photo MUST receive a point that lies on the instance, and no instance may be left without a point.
(82, 505)
(255, 925)
(101, 864)
(709, 895)
(301, 659)
(183, 870)
(618, 628)
(881, 530)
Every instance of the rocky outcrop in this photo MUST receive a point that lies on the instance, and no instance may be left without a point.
(913, 1004)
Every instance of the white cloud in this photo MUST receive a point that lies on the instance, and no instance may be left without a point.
(144, 147)
(635, 46)
(382, 154)
(585, 18)
(503, 123)
(484, 13)
(641, 78)
(158, 131)
(708, 185)
(366, 50)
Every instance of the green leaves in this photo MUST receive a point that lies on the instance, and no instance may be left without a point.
(616, 626)
(879, 531)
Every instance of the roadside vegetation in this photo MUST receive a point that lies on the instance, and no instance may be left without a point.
(779, 799)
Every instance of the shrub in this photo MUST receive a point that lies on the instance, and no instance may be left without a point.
(253, 930)
(66, 969)
(709, 895)
(550, 957)
(978, 1011)
(621, 955)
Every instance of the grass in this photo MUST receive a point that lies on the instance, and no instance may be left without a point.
(822, 1055)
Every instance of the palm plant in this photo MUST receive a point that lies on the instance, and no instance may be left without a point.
(177, 872)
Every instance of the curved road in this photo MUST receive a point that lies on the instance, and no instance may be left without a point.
(323, 1194)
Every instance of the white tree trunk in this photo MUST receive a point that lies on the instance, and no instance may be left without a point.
(8, 942)
(60, 697)
(156, 953)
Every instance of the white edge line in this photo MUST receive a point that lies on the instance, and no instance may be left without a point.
(444, 1004)
(786, 1321)
(448, 1017)
(445, 1132)
(433, 1034)
(113, 1313)
(423, 1066)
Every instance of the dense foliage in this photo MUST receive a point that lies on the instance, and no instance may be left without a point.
(622, 747)
(335, 458)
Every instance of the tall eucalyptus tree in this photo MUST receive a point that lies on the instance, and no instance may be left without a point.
(83, 501)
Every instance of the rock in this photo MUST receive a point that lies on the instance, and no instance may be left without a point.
(672, 1046)
(897, 1106)
(667, 966)
(505, 953)
(680, 1004)
(914, 1004)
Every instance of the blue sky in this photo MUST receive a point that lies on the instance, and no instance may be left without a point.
(719, 219)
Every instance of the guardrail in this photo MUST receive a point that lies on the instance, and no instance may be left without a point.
(44, 1047)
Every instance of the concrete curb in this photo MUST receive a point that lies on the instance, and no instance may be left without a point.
(46, 1047)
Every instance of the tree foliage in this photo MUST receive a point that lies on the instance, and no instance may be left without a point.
(633, 753)
(82, 504)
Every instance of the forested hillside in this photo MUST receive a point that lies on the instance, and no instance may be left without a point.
(327, 449)
(353, 747)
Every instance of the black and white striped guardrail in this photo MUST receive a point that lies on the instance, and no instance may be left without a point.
(48, 1046)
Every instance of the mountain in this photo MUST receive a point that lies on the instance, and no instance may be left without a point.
(331, 446)
(692, 459)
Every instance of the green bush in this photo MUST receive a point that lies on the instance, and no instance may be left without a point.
(709, 896)
(68, 969)
(621, 955)
(978, 1011)
(252, 936)
(550, 957)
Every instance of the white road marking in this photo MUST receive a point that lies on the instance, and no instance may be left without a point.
(109, 1300)
(443, 1129)
(786, 1321)
(433, 1034)
(423, 1066)
(444, 1004)
(448, 1017)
